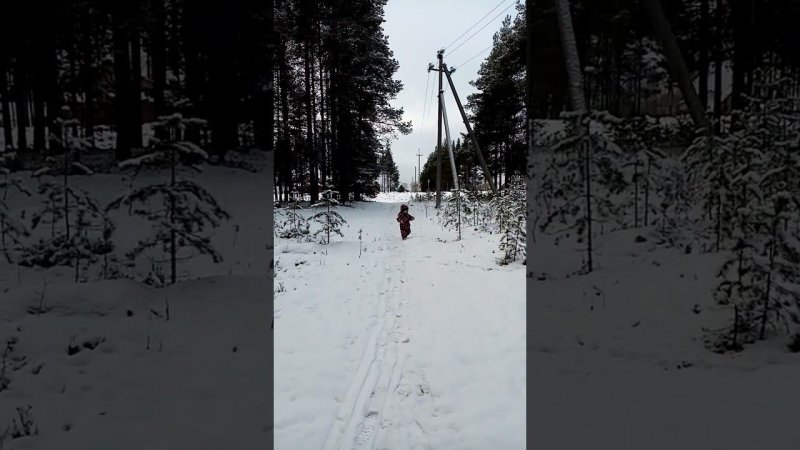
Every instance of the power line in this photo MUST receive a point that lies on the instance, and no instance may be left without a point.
(425, 104)
(475, 56)
(476, 23)
(432, 98)
(481, 28)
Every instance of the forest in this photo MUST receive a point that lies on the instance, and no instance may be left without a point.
(693, 146)
(726, 45)
(113, 68)
(334, 81)
(334, 122)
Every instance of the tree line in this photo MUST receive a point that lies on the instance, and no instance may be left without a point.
(732, 43)
(333, 84)
(115, 66)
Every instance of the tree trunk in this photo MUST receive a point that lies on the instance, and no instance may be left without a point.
(741, 50)
(222, 97)
(39, 112)
(5, 105)
(718, 76)
(88, 82)
(310, 114)
(705, 41)
(122, 88)
(21, 100)
(135, 120)
(194, 18)
(323, 161)
(571, 59)
(158, 51)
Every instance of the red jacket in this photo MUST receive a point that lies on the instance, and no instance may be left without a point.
(404, 217)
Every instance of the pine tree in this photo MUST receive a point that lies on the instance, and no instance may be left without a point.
(71, 213)
(293, 224)
(11, 230)
(510, 216)
(455, 211)
(184, 208)
(759, 280)
(329, 220)
(638, 136)
(583, 178)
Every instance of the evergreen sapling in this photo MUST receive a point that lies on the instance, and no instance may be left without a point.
(329, 220)
(179, 209)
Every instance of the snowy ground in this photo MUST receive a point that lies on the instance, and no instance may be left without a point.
(104, 368)
(619, 362)
(416, 344)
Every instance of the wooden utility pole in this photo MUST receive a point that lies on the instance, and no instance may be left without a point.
(675, 62)
(439, 56)
(448, 144)
(571, 60)
(419, 165)
(572, 64)
(487, 173)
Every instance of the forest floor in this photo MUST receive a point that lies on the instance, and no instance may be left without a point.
(392, 344)
(619, 360)
(103, 366)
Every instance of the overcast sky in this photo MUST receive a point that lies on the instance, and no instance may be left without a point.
(416, 30)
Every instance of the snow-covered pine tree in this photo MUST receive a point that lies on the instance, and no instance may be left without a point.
(638, 137)
(455, 211)
(329, 220)
(710, 161)
(675, 191)
(583, 178)
(760, 278)
(71, 213)
(760, 281)
(105, 247)
(510, 217)
(184, 208)
(12, 231)
(480, 206)
(292, 224)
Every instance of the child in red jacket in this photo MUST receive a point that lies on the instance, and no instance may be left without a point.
(404, 218)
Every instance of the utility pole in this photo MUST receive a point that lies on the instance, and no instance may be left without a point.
(675, 62)
(419, 166)
(485, 168)
(439, 56)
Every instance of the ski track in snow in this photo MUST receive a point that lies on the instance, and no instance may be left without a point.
(379, 372)
(403, 337)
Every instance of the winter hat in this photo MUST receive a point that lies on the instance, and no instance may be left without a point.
(403, 207)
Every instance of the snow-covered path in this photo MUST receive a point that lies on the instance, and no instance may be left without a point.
(414, 344)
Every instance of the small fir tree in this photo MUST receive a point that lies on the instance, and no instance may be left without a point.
(510, 216)
(12, 231)
(71, 213)
(183, 209)
(329, 220)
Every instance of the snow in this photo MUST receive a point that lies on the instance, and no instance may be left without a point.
(618, 356)
(193, 381)
(413, 344)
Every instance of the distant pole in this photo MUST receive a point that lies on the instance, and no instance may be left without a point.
(419, 165)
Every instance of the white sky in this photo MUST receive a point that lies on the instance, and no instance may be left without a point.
(417, 29)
